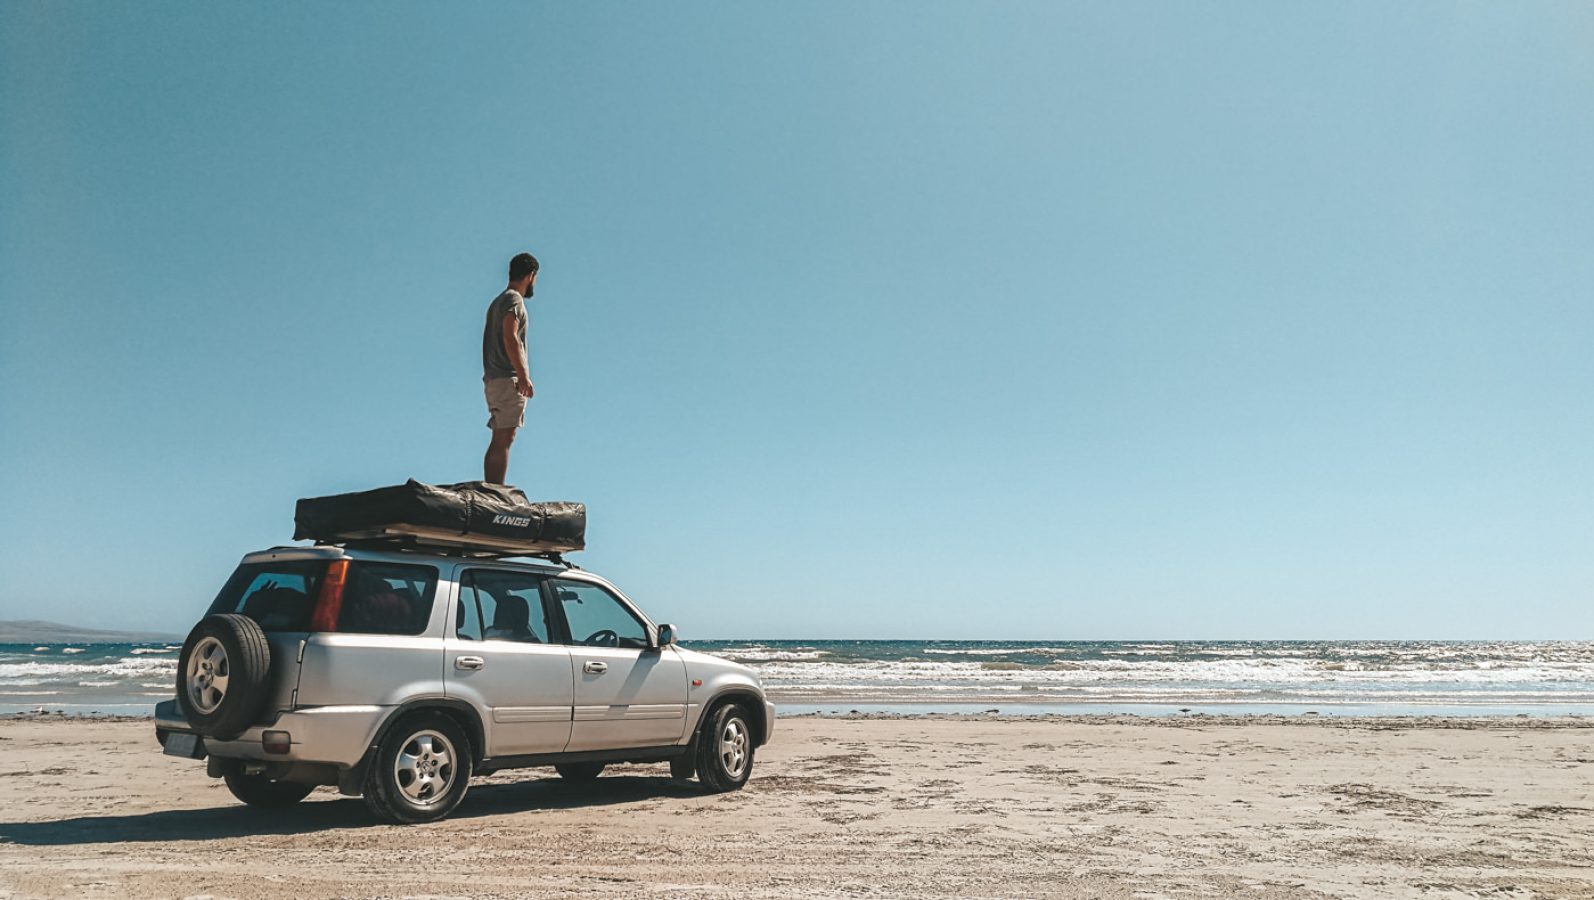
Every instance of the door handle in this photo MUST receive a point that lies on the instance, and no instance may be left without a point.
(469, 662)
(593, 667)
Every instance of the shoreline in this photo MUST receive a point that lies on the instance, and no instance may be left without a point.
(1194, 719)
(819, 705)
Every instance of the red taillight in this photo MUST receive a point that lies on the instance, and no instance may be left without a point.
(329, 603)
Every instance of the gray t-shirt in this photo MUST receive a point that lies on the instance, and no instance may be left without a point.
(495, 362)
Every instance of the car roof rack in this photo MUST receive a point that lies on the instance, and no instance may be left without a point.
(471, 548)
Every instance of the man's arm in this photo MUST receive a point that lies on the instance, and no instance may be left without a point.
(516, 353)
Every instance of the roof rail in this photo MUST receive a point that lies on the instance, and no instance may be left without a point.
(411, 544)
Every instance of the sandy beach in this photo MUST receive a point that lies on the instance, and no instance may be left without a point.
(953, 806)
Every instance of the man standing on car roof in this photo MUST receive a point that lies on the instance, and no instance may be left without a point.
(506, 377)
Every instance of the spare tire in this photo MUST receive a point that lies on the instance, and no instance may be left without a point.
(223, 675)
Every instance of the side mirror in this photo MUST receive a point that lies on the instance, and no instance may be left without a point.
(666, 635)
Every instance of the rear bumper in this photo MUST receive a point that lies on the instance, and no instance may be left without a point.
(336, 735)
(769, 721)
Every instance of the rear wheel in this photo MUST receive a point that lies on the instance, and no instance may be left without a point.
(420, 771)
(725, 750)
(260, 791)
(579, 773)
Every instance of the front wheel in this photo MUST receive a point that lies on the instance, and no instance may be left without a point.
(263, 793)
(421, 770)
(725, 750)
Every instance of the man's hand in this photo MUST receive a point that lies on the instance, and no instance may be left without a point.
(523, 385)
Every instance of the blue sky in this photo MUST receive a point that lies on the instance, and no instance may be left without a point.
(1050, 320)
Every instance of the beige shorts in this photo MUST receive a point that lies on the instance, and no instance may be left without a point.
(505, 407)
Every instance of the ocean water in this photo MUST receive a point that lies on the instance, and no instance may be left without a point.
(1169, 677)
(120, 679)
(1145, 677)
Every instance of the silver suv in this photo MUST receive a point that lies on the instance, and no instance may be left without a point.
(397, 675)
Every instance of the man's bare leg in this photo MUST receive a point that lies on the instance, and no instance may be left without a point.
(496, 463)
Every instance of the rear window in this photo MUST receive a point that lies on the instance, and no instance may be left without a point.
(277, 595)
(378, 598)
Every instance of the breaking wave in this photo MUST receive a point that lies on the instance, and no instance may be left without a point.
(1271, 672)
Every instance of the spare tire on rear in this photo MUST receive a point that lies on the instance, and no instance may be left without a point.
(223, 675)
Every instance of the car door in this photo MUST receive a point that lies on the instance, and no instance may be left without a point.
(627, 693)
(501, 658)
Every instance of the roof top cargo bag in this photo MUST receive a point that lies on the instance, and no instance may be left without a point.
(473, 516)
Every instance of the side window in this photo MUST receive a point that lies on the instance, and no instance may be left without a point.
(508, 606)
(387, 598)
(597, 618)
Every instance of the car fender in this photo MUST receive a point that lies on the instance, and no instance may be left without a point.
(352, 780)
(717, 687)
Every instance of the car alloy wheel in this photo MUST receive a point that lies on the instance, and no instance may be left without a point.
(734, 745)
(424, 768)
(223, 675)
(725, 749)
(421, 769)
(208, 673)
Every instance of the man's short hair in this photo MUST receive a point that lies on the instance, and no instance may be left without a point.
(522, 265)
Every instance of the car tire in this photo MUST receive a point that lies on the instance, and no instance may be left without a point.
(579, 773)
(420, 771)
(223, 675)
(725, 750)
(263, 793)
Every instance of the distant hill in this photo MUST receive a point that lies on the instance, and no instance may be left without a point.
(33, 631)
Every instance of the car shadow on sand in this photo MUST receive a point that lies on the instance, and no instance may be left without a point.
(315, 814)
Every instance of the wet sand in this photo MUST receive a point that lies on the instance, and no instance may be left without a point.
(929, 806)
